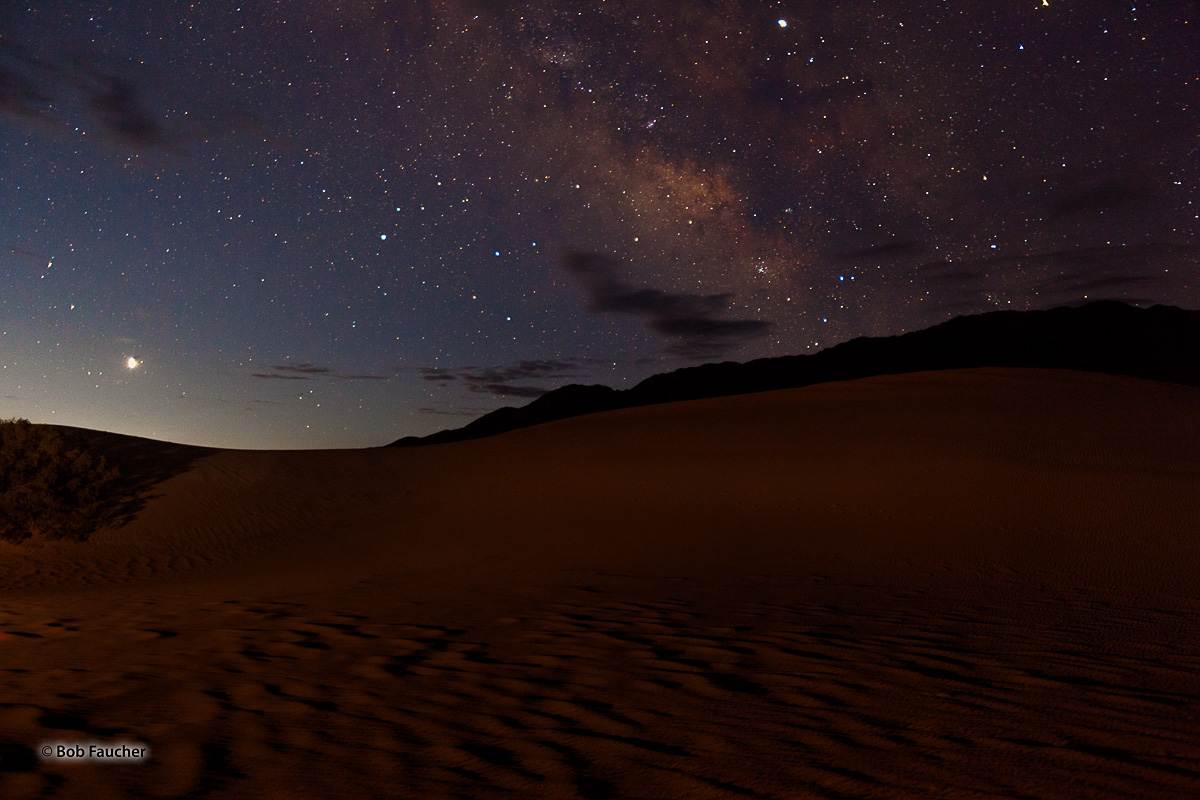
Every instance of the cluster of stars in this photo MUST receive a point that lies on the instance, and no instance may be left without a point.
(375, 190)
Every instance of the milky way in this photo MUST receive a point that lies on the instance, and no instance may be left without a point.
(317, 225)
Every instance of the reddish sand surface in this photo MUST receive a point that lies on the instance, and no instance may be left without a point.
(965, 584)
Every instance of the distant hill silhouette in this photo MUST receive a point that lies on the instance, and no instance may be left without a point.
(1161, 343)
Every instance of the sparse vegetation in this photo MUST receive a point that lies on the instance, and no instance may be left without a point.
(51, 491)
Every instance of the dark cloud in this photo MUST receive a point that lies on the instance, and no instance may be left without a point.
(1134, 274)
(964, 273)
(503, 380)
(504, 390)
(500, 380)
(523, 370)
(780, 91)
(1088, 286)
(704, 332)
(274, 376)
(690, 319)
(21, 96)
(1108, 196)
(26, 84)
(132, 119)
(118, 104)
(303, 372)
(1102, 262)
(306, 369)
(445, 413)
(1140, 258)
(30, 258)
(896, 249)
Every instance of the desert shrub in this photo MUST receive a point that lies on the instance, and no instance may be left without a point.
(49, 490)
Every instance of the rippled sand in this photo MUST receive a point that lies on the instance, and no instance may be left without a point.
(971, 584)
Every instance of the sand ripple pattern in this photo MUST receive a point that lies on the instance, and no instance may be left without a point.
(617, 699)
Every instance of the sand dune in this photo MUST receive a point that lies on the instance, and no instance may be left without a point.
(975, 584)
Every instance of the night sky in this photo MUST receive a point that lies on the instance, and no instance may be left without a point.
(316, 224)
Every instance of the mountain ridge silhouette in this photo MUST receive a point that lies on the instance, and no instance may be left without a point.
(1106, 336)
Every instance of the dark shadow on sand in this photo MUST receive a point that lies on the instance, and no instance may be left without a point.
(141, 463)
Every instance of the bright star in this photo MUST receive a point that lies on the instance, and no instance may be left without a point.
(131, 363)
(783, 23)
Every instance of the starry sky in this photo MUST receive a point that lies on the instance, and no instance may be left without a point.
(312, 224)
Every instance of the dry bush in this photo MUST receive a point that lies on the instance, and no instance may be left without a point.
(50, 491)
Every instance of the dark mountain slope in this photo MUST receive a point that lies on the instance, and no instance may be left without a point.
(1160, 343)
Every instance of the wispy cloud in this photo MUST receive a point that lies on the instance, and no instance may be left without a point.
(278, 377)
(888, 250)
(306, 369)
(446, 412)
(1106, 196)
(119, 106)
(21, 252)
(692, 320)
(1133, 273)
(507, 381)
(306, 372)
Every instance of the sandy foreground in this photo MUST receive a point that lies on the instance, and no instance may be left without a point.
(975, 584)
